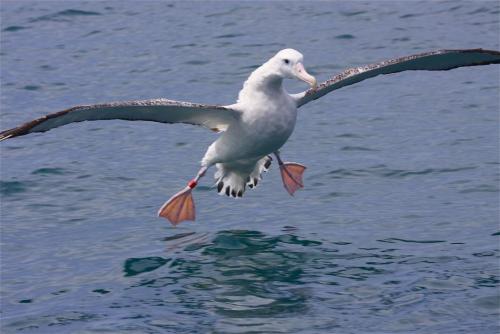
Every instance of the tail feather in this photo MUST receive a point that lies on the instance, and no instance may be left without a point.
(232, 178)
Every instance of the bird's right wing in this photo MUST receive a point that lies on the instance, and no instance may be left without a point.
(214, 117)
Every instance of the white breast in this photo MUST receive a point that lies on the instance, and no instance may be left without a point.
(266, 124)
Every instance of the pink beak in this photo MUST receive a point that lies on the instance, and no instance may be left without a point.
(302, 74)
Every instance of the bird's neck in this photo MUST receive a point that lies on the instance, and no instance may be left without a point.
(262, 80)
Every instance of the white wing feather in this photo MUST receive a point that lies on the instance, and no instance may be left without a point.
(214, 117)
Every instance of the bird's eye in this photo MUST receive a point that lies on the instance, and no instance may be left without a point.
(286, 61)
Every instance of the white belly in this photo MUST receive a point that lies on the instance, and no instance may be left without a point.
(264, 127)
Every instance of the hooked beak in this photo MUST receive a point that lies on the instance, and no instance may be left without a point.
(301, 73)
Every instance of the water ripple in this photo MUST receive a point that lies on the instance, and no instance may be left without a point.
(14, 28)
(49, 171)
(383, 171)
(65, 15)
(8, 188)
(345, 36)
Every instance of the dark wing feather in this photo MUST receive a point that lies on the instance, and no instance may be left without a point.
(156, 110)
(440, 60)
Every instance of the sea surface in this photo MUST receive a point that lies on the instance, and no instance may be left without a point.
(397, 228)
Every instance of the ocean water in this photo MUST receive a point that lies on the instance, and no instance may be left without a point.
(397, 228)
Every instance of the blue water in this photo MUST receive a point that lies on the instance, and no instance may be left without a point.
(396, 231)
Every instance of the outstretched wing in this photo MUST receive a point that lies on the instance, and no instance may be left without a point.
(214, 117)
(440, 60)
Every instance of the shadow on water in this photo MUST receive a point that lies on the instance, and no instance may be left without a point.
(235, 273)
(245, 276)
(235, 281)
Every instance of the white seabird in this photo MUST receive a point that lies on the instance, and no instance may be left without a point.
(257, 125)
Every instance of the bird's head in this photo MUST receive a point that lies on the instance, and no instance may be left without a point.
(288, 64)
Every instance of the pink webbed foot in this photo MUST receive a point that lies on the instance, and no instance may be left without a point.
(179, 207)
(291, 174)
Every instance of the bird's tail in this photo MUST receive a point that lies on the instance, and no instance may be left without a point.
(232, 178)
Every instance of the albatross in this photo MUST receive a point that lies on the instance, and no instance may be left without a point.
(256, 126)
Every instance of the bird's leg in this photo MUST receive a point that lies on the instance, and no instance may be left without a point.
(291, 174)
(180, 207)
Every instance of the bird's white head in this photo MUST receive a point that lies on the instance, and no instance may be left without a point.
(289, 64)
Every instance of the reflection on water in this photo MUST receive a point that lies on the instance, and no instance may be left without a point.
(250, 274)
(245, 277)
(233, 280)
(136, 266)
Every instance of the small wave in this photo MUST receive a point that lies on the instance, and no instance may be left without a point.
(345, 36)
(180, 46)
(136, 266)
(449, 283)
(401, 39)
(410, 15)
(342, 172)
(118, 178)
(258, 45)
(395, 240)
(238, 54)
(480, 10)
(322, 14)
(382, 171)
(489, 87)
(48, 67)
(197, 62)
(359, 273)
(481, 188)
(356, 148)
(32, 87)
(14, 28)
(64, 15)
(229, 12)
(489, 302)
(484, 254)
(178, 236)
(13, 187)
(488, 281)
(26, 301)
(348, 135)
(352, 13)
(409, 299)
(454, 8)
(229, 35)
(76, 12)
(403, 173)
(101, 291)
(49, 171)
(338, 194)
(94, 32)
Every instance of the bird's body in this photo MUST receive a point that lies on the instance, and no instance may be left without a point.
(257, 125)
(265, 124)
(267, 117)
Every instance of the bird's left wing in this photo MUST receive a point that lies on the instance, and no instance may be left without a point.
(440, 60)
(214, 117)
